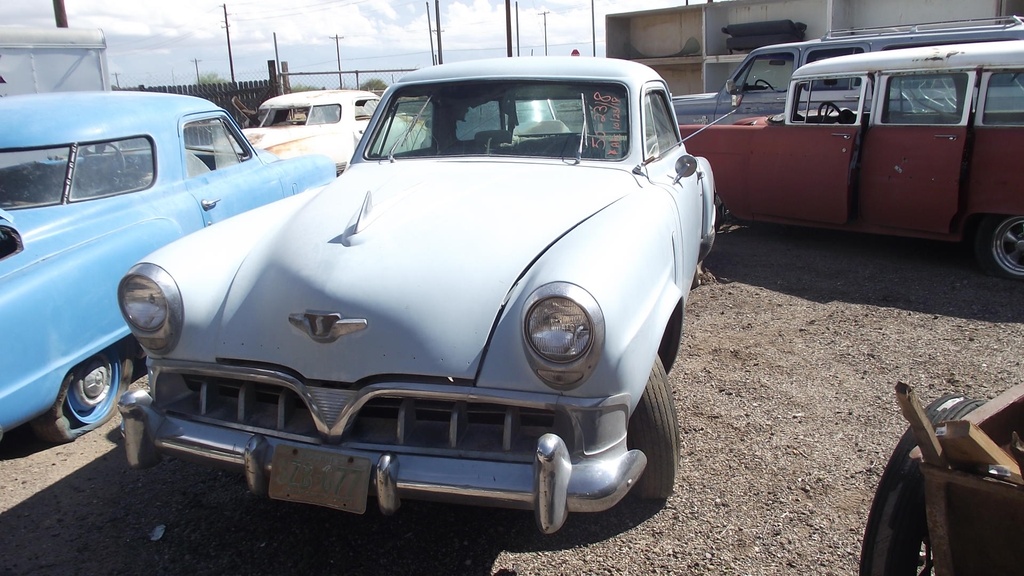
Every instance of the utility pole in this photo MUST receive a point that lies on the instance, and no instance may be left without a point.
(430, 32)
(517, 28)
(545, 15)
(437, 17)
(117, 79)
(60, 14)
(196, 62)
(231, 60)
(337, 47)
(593, 27)
(508, 26)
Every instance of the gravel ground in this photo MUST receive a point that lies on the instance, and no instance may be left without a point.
(784, 391)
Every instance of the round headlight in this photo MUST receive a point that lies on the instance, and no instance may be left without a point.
(151, 304)
(144, 304)
(559, 329)
(563, 334)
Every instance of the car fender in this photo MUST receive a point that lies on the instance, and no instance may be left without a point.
(46, 293)
(204, 264)
(631, 273)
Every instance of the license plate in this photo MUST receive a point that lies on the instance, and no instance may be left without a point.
(318, 477)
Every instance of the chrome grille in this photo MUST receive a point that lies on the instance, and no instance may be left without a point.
(424, 419)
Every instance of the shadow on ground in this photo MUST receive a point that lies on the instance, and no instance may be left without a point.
(906, 273)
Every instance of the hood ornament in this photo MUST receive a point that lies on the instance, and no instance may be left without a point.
(325, 327)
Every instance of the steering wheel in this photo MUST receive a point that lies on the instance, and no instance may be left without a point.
(762, 81)
(825, 110)
(102, 150)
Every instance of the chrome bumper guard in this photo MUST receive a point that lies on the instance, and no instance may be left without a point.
(552, 486)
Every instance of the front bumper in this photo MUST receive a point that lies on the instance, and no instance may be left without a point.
(553, 484)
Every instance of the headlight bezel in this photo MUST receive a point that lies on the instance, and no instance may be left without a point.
(563, 373)
(163, 337)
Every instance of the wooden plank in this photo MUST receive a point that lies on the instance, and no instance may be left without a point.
(965, 445)
(931, 450)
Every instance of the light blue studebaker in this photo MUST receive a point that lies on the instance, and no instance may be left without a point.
(481, 309)
(90, 183)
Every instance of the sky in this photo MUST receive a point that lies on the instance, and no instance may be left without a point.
(165, 42)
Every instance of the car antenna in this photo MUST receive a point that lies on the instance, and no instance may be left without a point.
(710, 124)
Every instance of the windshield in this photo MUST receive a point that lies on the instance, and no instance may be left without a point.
(511, 118)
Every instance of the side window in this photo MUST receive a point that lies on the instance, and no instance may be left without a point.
(114, 167)
(1004, 99)
(925, 98)
(660, 132)
(211, 144)
(767, 72)
(820, 102)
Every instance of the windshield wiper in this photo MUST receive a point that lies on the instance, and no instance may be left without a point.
(583, 131)
(408, 130)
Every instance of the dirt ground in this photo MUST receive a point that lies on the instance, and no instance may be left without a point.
(784, 392)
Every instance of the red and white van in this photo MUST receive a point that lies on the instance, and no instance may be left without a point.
(929, 143)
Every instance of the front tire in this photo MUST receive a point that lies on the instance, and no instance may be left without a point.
(87, 398)
(896, 535)
(654, 430)
(999, 246)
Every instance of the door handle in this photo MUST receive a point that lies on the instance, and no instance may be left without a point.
(946, 136)
(209, 204)
(841, 135)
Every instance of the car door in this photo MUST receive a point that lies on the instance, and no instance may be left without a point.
(662, 149)
(913, 151)
(222, 171)
(802, 170)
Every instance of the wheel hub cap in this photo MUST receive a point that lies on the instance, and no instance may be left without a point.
(94, 386)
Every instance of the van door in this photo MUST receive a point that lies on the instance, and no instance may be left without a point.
(913, 151)
(804, 167)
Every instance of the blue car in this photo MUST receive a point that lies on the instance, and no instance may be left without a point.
(90, 183)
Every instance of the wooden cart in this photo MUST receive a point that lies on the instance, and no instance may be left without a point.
(973, 492)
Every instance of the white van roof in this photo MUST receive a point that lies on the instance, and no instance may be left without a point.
(1009, 53)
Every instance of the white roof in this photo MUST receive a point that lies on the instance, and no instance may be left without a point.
(540, 67)
(1008, 53)
(317, 98)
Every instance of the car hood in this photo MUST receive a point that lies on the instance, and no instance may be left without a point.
(415, 259)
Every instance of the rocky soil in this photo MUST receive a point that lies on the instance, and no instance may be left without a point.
(784, 392)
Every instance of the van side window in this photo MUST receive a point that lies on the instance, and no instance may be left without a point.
(925, 98)
(820, 102)
(767, 72)
(1004, 100)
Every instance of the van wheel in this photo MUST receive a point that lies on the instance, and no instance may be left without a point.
(896, 535)
(87, 398)
(999, 246)
(654, 430)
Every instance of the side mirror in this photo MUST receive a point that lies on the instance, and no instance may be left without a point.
(686, 166)
(10, 240)
(730, 86)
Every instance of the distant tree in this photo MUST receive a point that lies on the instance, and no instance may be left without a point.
(374, 85)
(211, 78)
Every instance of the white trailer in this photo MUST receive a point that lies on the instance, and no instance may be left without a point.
(52, 60)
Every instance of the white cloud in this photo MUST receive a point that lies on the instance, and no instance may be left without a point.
(157, 41)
